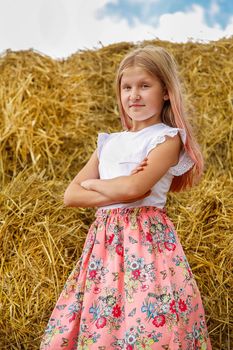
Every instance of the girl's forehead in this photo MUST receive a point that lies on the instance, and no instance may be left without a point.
(136, 73)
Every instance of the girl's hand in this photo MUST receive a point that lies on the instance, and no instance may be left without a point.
(139, 167)
(88, 184)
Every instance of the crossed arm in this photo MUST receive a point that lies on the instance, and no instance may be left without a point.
(87, 190)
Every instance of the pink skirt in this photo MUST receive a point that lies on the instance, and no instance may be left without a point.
(131, 289)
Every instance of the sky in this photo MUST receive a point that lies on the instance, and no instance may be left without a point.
(59, 28)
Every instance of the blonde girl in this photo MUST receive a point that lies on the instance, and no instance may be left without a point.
(132, 287)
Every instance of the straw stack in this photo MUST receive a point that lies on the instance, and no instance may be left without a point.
(50, 114)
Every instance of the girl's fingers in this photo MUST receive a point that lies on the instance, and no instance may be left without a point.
(136, 170)
(139, 167)
(143, 163)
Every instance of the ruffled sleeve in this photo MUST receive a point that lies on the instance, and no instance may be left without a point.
(101, 139)
(185, 162)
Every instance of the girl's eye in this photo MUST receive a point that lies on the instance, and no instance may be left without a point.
(144, 86)
(126, 87)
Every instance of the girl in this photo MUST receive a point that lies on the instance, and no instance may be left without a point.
(132, 287)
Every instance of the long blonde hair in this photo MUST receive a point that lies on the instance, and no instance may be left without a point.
(158, 62)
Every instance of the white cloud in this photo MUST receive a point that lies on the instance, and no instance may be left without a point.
(17, 23)
(180, 26)
(53, 21)
(61, 27)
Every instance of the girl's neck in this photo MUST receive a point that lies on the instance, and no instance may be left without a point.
(136, 126)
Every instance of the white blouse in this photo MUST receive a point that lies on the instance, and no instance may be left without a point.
(120, 152)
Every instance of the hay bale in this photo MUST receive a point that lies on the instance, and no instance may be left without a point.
(50, 114)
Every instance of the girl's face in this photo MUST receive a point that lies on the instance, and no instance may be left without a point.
(142, 94)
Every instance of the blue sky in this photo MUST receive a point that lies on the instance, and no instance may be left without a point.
(61, 27)
(215, 12)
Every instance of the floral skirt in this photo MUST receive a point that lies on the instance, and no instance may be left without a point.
(131, 289)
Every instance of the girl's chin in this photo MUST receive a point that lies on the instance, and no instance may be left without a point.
(138, 118)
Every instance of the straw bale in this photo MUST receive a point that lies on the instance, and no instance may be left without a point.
(39, 244)
(50, 114)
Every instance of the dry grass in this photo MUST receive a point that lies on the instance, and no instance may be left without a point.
(50, 114)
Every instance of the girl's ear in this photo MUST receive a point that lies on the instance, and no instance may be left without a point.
(165, 96)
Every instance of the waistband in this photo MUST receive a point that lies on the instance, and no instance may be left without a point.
(128, 211)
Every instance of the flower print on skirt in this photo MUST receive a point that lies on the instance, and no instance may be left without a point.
(131, 289)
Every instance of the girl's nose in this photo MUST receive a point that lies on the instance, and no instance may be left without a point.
(135, 96)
